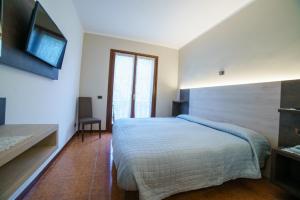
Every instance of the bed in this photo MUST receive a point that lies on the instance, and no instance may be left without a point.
(160, 157)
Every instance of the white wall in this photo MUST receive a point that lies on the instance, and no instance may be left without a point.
(95, 69)
(260, 43)
(35, 99)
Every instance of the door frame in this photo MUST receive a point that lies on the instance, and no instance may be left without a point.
(111, 83)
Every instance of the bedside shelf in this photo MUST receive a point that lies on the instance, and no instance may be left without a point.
(288, 154)
(179, 107)
(286, 171)
(290, 110)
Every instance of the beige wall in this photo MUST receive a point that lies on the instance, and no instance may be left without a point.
(37, 100)
(95, 69)
(260, 43)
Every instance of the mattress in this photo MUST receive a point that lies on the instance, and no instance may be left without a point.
(160, 157)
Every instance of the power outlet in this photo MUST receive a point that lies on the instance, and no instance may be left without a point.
(222, 72)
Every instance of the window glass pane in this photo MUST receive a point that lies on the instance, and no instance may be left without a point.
(144, 87)
(122, 91)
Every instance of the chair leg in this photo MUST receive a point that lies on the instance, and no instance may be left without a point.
(82, 132)
(99, 129)
(91, 131)
(78, 130)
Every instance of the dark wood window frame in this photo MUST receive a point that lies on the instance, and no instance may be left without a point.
(111, 84)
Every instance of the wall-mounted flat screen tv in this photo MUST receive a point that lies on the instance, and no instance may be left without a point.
(45, 41)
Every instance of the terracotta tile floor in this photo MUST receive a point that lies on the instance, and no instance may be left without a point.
(85, 171)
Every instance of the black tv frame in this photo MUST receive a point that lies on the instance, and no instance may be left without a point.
(16, 21)
(32, 23)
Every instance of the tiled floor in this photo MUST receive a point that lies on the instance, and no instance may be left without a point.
(85, 171)
(81, 171)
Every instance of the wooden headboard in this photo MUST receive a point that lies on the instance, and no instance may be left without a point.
(253, 106)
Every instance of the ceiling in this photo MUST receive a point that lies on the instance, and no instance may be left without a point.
(170, 23)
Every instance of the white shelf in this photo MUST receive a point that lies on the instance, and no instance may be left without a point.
(21, 160)
(37, 132)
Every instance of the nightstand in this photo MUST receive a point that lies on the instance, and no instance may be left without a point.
(180, 107)
(286, 171)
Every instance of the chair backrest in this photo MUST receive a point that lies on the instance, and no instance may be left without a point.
(85, 109)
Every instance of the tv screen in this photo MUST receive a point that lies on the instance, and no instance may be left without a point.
(45, 40)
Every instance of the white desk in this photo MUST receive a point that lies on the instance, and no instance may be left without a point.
(20, 160)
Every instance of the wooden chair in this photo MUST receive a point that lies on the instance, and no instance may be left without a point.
(85, 116)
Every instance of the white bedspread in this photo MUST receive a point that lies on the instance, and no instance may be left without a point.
(164, 156)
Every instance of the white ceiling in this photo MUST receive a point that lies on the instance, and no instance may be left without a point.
(171, 23)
